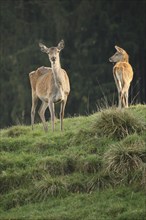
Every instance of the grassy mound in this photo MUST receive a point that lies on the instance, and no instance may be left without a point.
(44, 175)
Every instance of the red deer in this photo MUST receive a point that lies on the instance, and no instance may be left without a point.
(123, 75)
(50, 85)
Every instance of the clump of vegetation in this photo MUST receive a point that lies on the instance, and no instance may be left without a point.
(83, 135)
(118, 124)
(15, 198)
(88, 164)
(16, 131)
(100, 180)
(47, 187)
(57, 165)
(124, 161)
(12, 181)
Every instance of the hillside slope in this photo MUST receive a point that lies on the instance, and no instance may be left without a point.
(95, 169)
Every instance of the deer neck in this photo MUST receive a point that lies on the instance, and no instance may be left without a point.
(125, 58)
(56, 69)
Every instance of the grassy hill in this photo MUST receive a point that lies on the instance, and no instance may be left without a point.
(94, 170)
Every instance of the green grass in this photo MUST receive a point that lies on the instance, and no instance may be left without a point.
(109, 204)
(94, 169)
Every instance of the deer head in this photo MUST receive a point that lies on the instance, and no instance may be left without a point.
(120, 55)
(53, 52)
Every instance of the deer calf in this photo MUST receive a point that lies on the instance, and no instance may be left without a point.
(50, 85)
(123, 75)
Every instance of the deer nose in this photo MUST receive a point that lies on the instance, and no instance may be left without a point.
(110, 59)
(53, 59)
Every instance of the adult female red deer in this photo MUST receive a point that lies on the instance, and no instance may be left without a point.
(50, 85)
(123, 75)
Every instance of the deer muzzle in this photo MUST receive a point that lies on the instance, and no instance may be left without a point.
(53, 59)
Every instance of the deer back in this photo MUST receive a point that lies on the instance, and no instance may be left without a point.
(35, 75)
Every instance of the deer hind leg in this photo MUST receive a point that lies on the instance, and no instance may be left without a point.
(125, 95)
(52, 112)
(41, 112)
(119, 88)
(62, 108)
(126, 98)
(123, 100)
(33, 108)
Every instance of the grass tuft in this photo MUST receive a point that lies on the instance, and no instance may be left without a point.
(88, 164)
(16, 131)
(124, 161)
(118, 124)
(57, 165)
(47, 187)
(14, 199)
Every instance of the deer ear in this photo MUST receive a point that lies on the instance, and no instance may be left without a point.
(43, 48)
(119, 49)
(60, 45)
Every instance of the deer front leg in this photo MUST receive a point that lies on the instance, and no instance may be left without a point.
(41, 112)
(33, 108)
(52, 112)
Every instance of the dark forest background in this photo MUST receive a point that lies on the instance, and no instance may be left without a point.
(90, 29)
